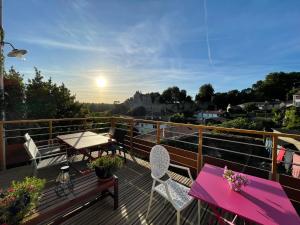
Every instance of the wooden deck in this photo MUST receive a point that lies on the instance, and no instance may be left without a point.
(134, 193)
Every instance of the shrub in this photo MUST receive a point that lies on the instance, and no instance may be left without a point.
(18, 200)
(112, 162)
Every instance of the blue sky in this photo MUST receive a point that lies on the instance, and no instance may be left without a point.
(153, 44)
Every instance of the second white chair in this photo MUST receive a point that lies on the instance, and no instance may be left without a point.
(174, 192)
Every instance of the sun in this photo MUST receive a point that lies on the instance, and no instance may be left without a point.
(101, 82)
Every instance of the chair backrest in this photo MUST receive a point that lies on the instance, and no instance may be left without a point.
(30, 147)
(159, 161)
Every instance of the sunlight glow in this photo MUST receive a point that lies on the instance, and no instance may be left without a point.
(101, 82)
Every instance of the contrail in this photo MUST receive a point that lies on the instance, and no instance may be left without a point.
(206, 28)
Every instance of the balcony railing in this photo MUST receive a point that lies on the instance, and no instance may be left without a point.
(189, 145)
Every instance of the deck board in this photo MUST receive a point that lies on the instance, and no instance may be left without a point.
(135, 185)
(134, 193)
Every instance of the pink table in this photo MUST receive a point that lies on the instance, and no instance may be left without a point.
(262, 201)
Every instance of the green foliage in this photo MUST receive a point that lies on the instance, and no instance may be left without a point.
(177, 118)
(292, 118)
(240, 123)
(173, 95)
(120, 109)
(112, 162)
(205, 94)
(278, 116)
(249, 124)
(45, 99)
(18, 200)
(14, 95)
(277, 85)
(138, 111)
(250, 107)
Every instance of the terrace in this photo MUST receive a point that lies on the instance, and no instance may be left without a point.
(188, 145)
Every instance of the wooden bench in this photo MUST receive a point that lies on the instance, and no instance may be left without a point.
(87, 190)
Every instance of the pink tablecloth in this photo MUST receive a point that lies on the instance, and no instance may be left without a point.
(262, 201)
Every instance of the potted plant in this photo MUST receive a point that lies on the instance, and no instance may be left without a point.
(105, 166)
(235, 180)
(19, 199)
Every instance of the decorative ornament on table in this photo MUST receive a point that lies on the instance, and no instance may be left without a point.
(235, 180)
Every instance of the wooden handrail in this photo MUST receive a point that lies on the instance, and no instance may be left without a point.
(131, 121)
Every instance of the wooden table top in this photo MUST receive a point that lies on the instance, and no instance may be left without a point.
(84, 139)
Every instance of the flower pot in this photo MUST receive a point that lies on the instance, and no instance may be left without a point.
(104, 173)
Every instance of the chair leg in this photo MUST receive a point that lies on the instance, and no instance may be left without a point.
(150, 202)
(178, 218)
(151, 197)
(199, 212)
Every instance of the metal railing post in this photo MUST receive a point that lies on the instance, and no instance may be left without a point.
(131, 135)
(50, 132)
(157, 132)
(85, 124)
(274, 157)
(112, 122)
(2, 147)
(200, 147)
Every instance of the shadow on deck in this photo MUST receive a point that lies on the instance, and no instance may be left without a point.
(134, 193)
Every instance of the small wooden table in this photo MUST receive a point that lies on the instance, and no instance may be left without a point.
(87, 190)
(261, 201)
(84, 140)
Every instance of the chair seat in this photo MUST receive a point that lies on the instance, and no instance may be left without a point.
(52, 161)
(178, 192)
(50, 150)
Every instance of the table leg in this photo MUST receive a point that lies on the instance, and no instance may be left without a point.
(199, 212)
(116, 193)
(219, 217)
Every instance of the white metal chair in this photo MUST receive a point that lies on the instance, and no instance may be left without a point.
(174, 192)
(43, 157)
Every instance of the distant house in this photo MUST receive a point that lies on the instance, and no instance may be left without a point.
(296, 99)
(204, 115)
(267, 105)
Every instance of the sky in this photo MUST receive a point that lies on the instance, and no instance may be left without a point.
(149, 45)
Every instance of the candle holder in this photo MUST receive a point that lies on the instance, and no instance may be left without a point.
(64, 183)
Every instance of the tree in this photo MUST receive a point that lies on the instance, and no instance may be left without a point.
(14, 95)
(138, 111)
(292, 118)
(250, 107)
(173, 95)
(206, 92)
(177, 118)
(44, 99)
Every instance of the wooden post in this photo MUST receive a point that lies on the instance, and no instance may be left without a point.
(112, 122)
(50, 132)
(274, 157)
(2, 147)
(200, 147)
(157, 132)
(131, 135)
(84, 124)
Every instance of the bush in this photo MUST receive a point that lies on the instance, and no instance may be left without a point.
(239, 123)
(245, 123)
(177, 118)
(18, 200)
(292, 118)
(112, 162)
